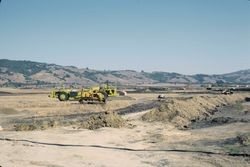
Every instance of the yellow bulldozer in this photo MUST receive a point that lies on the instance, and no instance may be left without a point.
(98, 93)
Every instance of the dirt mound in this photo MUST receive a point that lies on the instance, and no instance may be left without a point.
(107, 119)
(181, 112)
(244, 139)
(88, 121)
(36, 125)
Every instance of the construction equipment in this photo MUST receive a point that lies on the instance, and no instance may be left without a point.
(110, 90)
(88, 95)
(98, 93)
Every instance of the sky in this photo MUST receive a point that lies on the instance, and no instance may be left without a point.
(184, 36)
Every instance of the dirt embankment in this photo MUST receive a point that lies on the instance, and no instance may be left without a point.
(181, 112)
(93, 121)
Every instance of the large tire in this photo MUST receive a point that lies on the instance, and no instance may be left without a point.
(105, 97)
(63, 96)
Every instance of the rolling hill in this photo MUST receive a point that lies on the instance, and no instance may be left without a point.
(28, 73)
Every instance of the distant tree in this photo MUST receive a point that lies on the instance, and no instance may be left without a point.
(219, 82)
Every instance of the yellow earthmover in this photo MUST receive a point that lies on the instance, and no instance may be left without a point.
(82, 95)
(92, 94)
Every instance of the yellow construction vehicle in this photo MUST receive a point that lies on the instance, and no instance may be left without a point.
(79, 95)
(92, 94)
(110, 90)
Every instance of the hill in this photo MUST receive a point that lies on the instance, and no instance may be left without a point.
(28, 73)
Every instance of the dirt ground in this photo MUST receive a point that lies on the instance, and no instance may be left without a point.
(219, 138)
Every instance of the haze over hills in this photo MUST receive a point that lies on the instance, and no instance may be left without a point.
(23, 73)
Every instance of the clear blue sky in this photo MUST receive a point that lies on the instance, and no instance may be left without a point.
(185, 36)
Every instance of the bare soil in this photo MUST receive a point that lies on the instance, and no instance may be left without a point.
(182, 111)
(38, 131)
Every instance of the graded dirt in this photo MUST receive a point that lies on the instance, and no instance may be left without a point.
(54, 134)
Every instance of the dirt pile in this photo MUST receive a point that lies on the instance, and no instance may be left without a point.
(244, 139)
(36, 125)
(88, 121)
(181, 112)
(107, 119)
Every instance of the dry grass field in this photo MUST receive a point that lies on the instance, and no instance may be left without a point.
(183, 130)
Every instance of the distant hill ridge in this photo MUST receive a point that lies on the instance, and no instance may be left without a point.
(21, 73)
